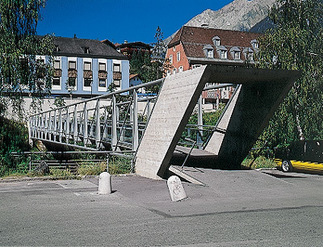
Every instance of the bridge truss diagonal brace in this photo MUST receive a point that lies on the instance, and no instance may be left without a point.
(175, 104)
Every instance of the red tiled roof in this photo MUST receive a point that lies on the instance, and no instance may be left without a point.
(195, 38)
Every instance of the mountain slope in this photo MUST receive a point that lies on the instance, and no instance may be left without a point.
(238, 15)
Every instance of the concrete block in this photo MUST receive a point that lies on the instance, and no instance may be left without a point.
(105, 184)
(176, 189)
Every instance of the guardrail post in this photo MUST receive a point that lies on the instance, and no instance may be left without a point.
(135, 137)
(98, 125)
(114, 137)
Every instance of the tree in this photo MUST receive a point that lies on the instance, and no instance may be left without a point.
(295, 43)
(20, 70)
(158, 54)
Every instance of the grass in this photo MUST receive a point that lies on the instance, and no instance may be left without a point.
(260, 162)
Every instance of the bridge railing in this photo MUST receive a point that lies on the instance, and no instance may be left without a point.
(112, 121)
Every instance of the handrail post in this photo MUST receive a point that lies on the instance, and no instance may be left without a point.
(98, 125)
(135, 136)
(85, 126)
(60, 126)
(75, 124)
(114, 137)
(67, 134)
(55, 125)
(200, 121)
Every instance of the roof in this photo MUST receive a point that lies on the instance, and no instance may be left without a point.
(194, 39)
(85, 48)
(132, 76)
(134, 45)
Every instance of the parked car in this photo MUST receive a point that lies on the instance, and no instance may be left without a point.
(301, 155)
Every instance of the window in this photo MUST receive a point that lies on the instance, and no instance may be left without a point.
(178, 56)
(216, 41)
(72, 64)
(171, 59)
(248, 53)
(116, 83)
(116, 67)
(57, 64)
(180, 69)
(236, 55)
(72, 82)
(254, 44)
(174, 48)
(210, 53)
(102, 67)
(102, 83)
(87, 82)
(223, 54)
(87, 65)
(56, 81)
(86, 50)
(249, 56)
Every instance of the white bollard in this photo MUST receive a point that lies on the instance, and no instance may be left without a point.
(176, 189)
(105, 184)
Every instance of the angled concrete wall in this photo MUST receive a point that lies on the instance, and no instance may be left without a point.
(247, 115)
(174, 106)
(259, 95)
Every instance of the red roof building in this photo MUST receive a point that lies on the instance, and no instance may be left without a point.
(192, 47)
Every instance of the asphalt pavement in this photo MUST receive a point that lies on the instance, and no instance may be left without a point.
(234, 208)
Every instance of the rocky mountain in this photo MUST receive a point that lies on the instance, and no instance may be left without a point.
(237, 15)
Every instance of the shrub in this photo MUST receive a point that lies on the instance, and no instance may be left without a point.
(91, 169)
(61, 173)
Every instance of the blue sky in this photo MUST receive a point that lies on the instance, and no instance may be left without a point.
(119, 20)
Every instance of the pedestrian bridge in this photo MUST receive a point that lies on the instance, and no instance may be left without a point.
(149, 119)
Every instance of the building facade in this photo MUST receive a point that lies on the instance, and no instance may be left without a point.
(192, 47)
(86, 68)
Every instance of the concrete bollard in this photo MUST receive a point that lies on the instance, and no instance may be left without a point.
(176, 189)
(105, 184)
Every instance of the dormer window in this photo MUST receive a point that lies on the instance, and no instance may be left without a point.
(57, 48)
(235, 53)
(254, 44)
(216, 41)
(222, 51)
(208, 51)
(248, 53)
(86, 50)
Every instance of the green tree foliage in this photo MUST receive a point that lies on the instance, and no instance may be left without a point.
(13, 138)
(150, 66)
(296, 43)
(19, 68)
